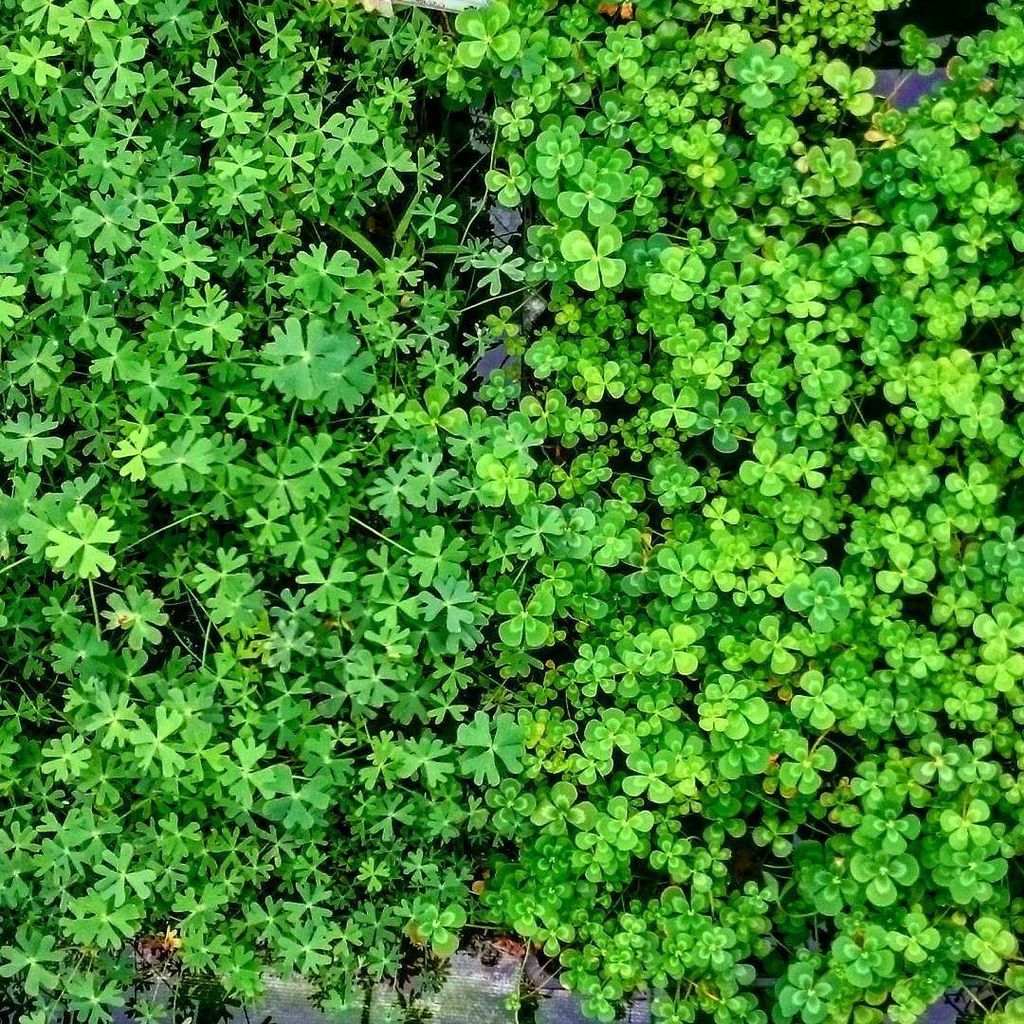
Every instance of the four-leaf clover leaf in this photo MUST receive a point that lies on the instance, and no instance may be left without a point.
(487, 35)
(597, 267)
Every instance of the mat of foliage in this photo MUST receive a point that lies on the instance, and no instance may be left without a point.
(691, 650)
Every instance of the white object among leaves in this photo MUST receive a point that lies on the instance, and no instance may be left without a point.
(386, 7)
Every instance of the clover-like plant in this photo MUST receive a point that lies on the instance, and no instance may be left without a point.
(595, 266)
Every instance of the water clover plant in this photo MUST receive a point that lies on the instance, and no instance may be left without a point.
(596, 268)
(486, 33)
(808, 452)
(760, 69)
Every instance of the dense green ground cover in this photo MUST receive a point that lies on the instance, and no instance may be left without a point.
(688, 646)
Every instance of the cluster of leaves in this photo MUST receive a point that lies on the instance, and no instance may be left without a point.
(705, 638)
(772, 663)
(239, 574)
